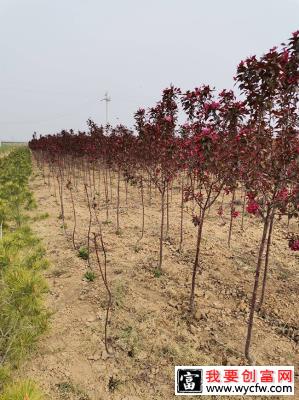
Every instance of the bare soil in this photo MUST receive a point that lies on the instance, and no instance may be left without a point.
(149, 329)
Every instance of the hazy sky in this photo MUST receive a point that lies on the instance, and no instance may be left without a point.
(58, 57)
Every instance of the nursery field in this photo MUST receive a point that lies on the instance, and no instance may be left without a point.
(125, 252)
(149, 329)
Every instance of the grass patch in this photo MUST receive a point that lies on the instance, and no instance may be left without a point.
(23, 390)
(90, 276)
(23, 317)
(119, 293)
(40, 217)
(67, 389)
(22, 287)
(83, 253)
(129, 341)
(157, 272)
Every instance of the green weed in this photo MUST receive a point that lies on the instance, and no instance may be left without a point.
(83, 253)
(23, 390)
(90, 276)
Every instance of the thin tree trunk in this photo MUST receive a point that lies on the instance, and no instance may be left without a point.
(255, 286)
(60, 189)
(110, 181)
(196, 261)
(126, 186)
(93, 178)
(150, 190)
(167, 210)
(89, 183)
(266, 263)
(117, 201)
(75, 219)
(89, 226)
(162, 227)
(99, 184)
(243, 211)
(54, 184)
(106, 194)
(104, 278)
(142, 204)
(182, 213)
(231, 218)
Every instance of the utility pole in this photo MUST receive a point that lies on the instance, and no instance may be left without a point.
(106, 99)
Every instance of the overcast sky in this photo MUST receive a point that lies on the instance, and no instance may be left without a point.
(58, 57)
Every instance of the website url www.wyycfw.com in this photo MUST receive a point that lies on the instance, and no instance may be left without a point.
(256, 389)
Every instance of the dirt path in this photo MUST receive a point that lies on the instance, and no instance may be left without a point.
(149, 330)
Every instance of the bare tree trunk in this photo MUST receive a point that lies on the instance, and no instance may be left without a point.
(142, 204)
(243, 211)
(162, 227)
(104, 278)
(106, 194)
(75, 219)
(110, 181)
(196, 261)
(182, 212)
(126, 187)
(117, 201)
(60, 189)
(266, 263)
(89, 226)
(255, 286)
(54, 184)
(99, 184)
(150, 190)
(167, 210)
(93, 178)
(231, 218)
(89, 183)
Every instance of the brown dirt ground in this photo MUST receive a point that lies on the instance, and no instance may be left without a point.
(149, 329)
